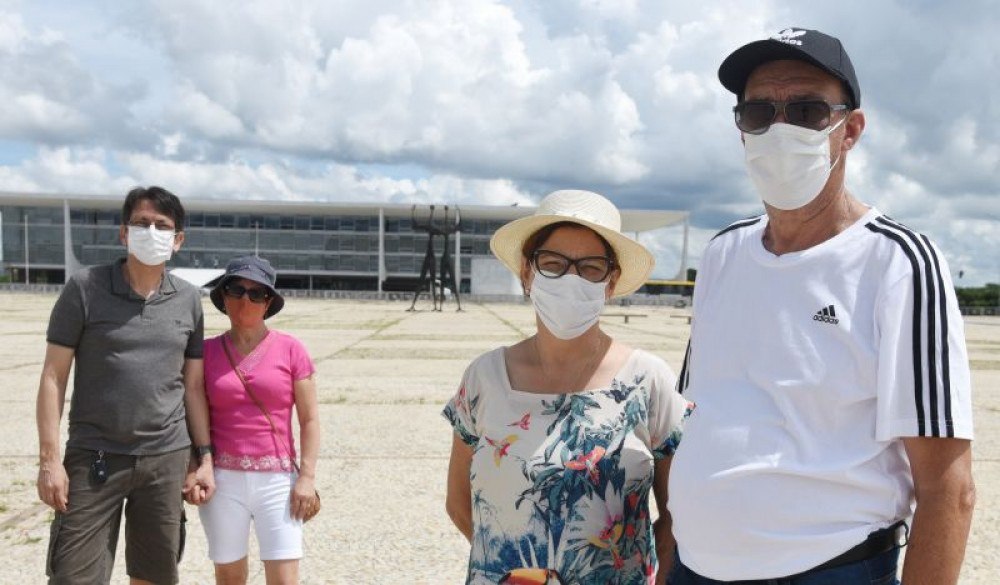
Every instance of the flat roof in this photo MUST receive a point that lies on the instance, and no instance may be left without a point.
(633, 220)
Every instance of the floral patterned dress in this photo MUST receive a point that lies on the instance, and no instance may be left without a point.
(562, 481)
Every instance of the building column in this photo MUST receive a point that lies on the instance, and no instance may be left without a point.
(27, 246)
(381, 247)
(70, 262)
(682, 275)
(458, 252)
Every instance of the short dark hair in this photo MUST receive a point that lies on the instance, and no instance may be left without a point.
(164, 201)
(535, 241)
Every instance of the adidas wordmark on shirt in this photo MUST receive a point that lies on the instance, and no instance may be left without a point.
(807, 369)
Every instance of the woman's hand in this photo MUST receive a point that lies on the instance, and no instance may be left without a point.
(193, 493)
(303, 497)
(199, 483)
(304, 501)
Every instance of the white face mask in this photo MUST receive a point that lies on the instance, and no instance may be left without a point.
(568, 305)
(149, 245)
(789, 164)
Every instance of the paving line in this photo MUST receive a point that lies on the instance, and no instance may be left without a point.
(374, 333)
(17, 517)
(515, 328)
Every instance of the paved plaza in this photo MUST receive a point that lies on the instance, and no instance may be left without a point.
(383, 376)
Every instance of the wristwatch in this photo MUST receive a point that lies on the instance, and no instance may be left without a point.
(202, 450)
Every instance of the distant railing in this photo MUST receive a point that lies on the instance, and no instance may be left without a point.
(635, 299)
(29, 288)
(979, 311)
(361, 295)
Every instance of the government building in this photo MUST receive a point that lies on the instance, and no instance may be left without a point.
(313, 245)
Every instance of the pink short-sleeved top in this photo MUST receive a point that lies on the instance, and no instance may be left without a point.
(241, 435)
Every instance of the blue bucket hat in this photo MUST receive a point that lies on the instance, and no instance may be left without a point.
(252, 268)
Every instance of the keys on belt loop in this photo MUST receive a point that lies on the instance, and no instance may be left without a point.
(99, 469)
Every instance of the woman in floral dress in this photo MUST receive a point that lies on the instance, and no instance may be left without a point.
(560, 438)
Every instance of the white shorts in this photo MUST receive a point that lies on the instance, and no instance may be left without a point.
(244, 496)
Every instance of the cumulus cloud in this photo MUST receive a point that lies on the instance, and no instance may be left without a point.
(63, 170)
(489, 101)
(476, 87)
(70, 170)
(49, 97)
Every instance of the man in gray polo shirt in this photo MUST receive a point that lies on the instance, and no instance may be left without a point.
(135, 333)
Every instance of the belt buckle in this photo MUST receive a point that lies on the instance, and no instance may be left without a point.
(896, 533)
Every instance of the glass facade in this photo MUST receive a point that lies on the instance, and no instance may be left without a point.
(45, 235)
(326, 251)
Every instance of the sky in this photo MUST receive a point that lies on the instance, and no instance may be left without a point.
(496, 103)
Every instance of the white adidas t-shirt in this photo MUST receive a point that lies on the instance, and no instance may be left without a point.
(807, 368)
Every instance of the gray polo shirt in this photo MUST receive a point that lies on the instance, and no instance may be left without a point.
(128, 392)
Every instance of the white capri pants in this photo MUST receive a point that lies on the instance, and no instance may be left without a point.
(262, 497)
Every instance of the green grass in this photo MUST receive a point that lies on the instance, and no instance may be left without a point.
(338, 399)
(426, 353)
(984, 364)
(447, 337)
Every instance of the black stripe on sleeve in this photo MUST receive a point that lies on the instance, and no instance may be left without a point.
(931, 316)
(945, 359)
(918, 377)
(682, 379)
(935, 310)
(737, 225)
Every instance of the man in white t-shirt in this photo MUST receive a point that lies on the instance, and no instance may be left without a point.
(827, 359)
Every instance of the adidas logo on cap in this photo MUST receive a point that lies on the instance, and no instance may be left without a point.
(826, 315)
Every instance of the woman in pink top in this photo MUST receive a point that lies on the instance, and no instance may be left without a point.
(256, 473)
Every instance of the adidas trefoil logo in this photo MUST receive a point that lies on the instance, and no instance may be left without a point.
(826, 315)
(789, 36)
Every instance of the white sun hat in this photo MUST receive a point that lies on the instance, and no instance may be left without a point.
(589, 210)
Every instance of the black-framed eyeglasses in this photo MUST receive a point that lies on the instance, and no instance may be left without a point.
(257, 294)
(553, 265)
(756, 116)
(527, 576)
(160, 226)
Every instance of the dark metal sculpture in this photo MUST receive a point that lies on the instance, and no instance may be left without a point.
(427, 274)
(447, 265)
(428, 279)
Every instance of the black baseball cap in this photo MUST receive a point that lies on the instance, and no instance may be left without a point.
(798, 44)
(252, 268)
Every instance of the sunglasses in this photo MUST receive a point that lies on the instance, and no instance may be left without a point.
(525, 576)
(756, 116)
(257, 294)
(553, 265)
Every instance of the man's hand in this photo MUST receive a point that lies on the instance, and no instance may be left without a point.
(199, 484)
(53, 485)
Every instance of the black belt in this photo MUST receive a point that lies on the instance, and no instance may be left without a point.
(878, 542)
